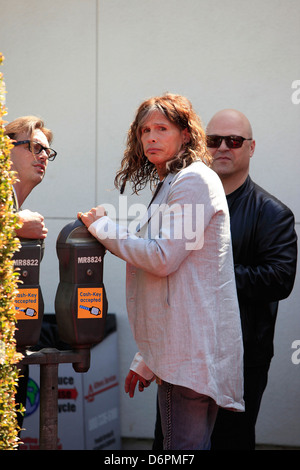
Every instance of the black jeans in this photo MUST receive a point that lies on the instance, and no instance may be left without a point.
(236, 431)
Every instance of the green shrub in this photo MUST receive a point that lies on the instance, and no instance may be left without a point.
(8, 287)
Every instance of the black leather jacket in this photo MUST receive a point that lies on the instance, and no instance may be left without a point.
(265, 256)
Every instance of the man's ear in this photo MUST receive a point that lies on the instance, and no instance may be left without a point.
(252, 148)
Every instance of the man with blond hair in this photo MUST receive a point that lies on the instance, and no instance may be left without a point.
(29, 159)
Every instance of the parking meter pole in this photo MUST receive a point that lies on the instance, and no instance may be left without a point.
(49, 359)
(48, 406)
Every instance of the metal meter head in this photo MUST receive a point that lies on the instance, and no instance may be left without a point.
(80, 302)
(29, 302)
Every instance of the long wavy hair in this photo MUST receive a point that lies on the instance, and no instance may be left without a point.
(135, 166)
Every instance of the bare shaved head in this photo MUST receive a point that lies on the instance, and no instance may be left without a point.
(230, 118)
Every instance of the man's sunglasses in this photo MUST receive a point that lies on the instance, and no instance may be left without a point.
(36, 148)
(232, 141)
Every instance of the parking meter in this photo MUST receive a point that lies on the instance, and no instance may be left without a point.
(80, 302)
(29, 302)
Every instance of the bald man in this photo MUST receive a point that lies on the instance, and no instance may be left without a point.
(265, 255)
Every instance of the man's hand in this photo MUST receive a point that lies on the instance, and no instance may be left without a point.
(131, 381)
(32, 225)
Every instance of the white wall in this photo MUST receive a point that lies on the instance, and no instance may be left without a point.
(85, 65)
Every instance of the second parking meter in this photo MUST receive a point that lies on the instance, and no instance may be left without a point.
(80, 302)
(29, 302)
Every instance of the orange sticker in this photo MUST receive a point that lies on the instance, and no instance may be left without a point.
(90, 302)
(27, 304)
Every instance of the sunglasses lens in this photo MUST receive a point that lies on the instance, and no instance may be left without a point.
(213, 141)
(234, 142)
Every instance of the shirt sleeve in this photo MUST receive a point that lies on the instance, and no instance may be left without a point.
(271, 275)
(176, 228)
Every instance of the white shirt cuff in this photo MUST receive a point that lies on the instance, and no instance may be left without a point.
(139, 366)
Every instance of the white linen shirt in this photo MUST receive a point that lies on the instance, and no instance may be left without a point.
(180, 292)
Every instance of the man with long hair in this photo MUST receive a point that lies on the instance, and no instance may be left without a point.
(181, 294)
